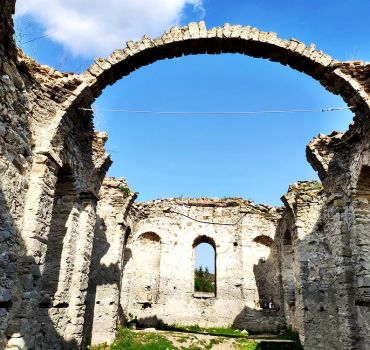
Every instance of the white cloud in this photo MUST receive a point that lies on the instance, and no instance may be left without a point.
(97, 27)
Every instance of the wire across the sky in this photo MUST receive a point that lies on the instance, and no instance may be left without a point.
(278, 111)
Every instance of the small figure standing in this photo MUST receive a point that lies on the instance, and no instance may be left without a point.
(270, 305)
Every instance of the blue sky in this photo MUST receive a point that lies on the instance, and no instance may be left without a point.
(205, 257)
(254, 157)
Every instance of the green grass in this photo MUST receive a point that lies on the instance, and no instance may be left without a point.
(182, 339)
(128, 340)
(249, 346)
(98, 347)
(217, 331)
(125, 190)
(291, 335)
(213, 342)
(246, 344)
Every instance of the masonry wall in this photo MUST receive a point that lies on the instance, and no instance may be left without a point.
(52, 164)
(15, 152)
(47, 202)
(246, 264)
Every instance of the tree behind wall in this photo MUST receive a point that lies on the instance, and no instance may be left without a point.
(204, 281)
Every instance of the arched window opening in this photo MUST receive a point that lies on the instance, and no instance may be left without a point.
(287, 264)
(147, 274)
(287, 242)
(204, 267)
(265, 243)
(148, 237)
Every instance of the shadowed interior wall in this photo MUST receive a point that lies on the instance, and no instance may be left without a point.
(287, 272)
(360, 245)
(61, 250)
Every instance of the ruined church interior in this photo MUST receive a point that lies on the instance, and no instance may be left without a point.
(80, 256)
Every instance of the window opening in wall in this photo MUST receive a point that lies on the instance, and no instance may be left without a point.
(147, 284)
(263, 243)
(288, 275)
(204, 268)
(287, 241)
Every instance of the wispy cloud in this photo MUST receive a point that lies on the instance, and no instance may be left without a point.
(96, 27)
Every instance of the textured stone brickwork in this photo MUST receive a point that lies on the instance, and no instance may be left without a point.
(105, 279)
(38, 240)
(68, 245)
(246, 263)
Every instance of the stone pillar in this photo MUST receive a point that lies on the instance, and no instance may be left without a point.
(39, 207)
(103, 299)
(24, 323)
(80, 276)
(339, 237)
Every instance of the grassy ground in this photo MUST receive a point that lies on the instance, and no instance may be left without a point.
(131, 340)
(194, 338)
(222, 332)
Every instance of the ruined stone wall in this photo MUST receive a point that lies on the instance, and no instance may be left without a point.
(303, 256)
(160, 288)
(52, 164)
(15, 165)
(47, 201)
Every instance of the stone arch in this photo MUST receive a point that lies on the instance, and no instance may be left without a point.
(337, 77)
(204, 239)
(340, 78)
(149, 236)
(196, 39)
(264, 240)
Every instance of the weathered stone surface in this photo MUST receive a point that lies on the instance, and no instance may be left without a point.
(246, 266)
(65, 240)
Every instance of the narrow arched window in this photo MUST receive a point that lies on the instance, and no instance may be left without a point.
(287, 266)
(204, 267)
(147, 282)
(287, 240)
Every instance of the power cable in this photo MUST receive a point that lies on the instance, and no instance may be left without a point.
(134, 111)
(169, 210)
